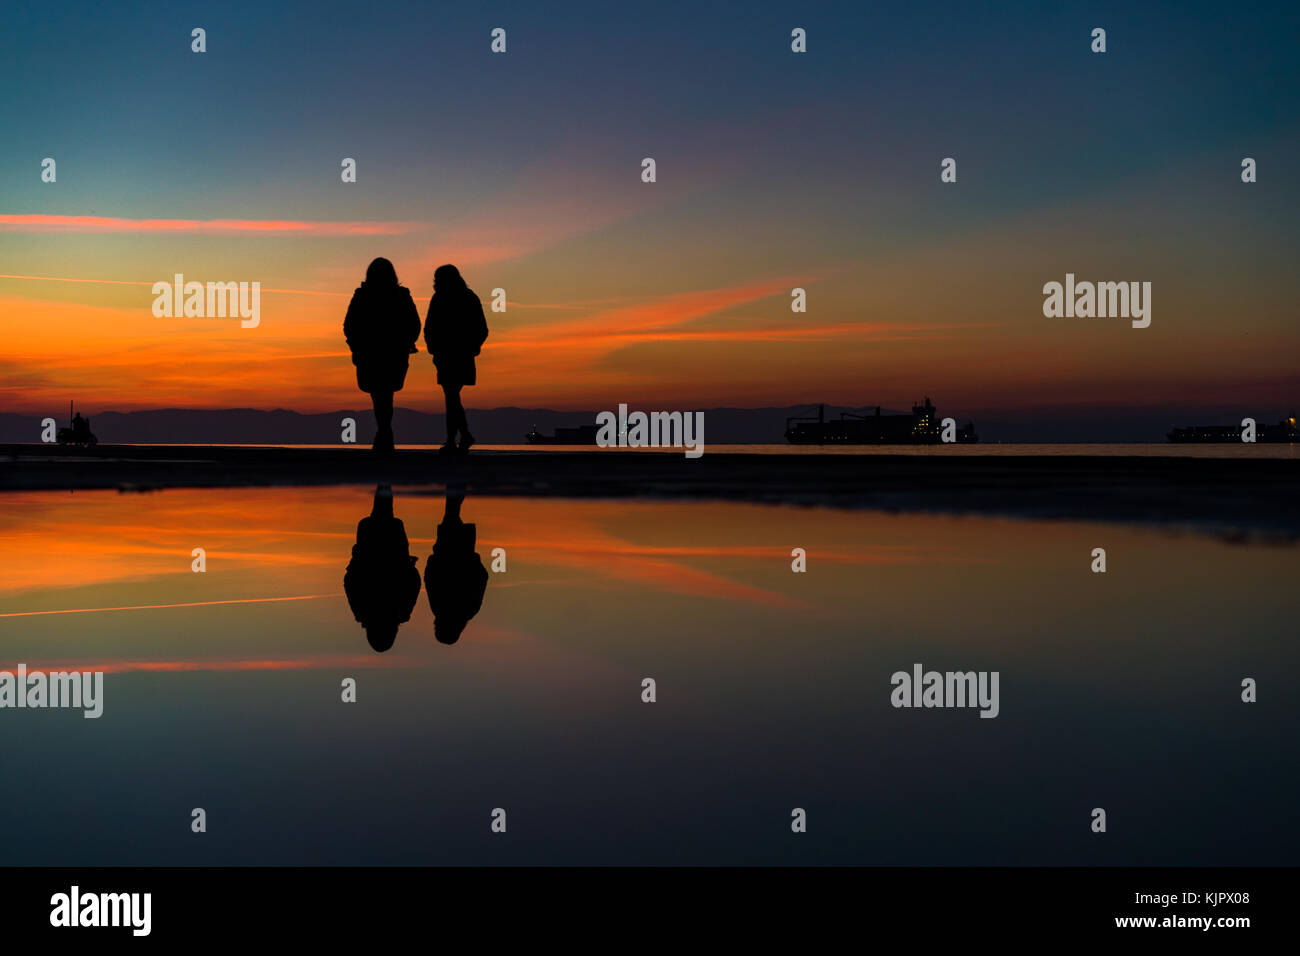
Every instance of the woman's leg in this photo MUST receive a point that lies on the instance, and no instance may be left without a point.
(455, 413)
(383, 402)
(466, 439)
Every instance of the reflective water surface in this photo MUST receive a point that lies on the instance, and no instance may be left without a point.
(512, 679)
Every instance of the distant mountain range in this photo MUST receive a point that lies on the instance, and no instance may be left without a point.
(507, 426)
(251, 426)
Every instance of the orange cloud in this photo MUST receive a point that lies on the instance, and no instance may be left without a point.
(559, 197)
(41, 222)
(151, 284)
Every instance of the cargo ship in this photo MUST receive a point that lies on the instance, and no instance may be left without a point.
(922, 427)
(579, 435)
(1284, 431)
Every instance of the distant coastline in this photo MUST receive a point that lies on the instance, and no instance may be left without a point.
(509, 425)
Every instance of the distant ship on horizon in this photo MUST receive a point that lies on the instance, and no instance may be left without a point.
(77, 431)
(578, 435)
(1283, 432)
(922, 427)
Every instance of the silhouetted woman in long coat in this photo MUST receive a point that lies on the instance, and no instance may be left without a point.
(381, 327)
(454, 332)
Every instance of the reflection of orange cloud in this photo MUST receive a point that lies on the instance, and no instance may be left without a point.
(612, 547)
(322, 661)
(658, 576)
(102, 538)
(73, 566)
(38, 222)
(101, 542)
(863, 331)
(155, 607)
(48, 543)
(574, 535)
(106, 548)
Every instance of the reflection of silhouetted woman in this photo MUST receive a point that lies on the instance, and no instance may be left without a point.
(381, 581)
(454, 332)
(454, 576)
(381, 328)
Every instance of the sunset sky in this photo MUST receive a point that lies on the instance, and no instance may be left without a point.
(775, 170)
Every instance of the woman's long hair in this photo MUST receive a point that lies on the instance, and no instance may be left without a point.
(448, 279)
(381, 274)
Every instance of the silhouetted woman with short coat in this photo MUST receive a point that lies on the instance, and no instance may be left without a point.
(381, 327)
(454, 332)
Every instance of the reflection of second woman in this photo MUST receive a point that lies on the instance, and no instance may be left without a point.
(381, 327)
(454, 577)
(381, 581)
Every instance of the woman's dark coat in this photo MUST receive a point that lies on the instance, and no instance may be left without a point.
(454, 332)
(381, 327)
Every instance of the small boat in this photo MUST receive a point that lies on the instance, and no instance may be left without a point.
(77, 432)
(580, 435)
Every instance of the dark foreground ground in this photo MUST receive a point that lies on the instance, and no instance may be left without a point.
(1231, 495)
